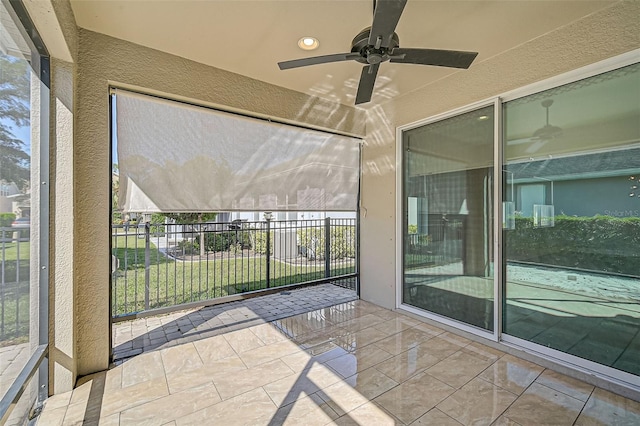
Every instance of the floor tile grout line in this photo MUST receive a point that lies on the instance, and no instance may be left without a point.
(585, 404)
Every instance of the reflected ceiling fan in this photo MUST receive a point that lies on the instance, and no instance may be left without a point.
(544, 134)
(379, 43)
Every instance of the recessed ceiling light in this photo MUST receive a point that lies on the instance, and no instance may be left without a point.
(308, 43)
(483, 117)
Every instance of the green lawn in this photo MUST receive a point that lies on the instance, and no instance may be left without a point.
(174, 282)
(14, 314)
(10, 251)
(14, 306)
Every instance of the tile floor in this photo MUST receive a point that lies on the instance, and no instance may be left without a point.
(353, 363)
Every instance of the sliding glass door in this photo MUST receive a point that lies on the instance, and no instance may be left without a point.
(572, 242)
(566, 274)
(448, 217)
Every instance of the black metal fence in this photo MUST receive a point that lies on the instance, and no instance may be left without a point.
(162, 265)
(14, 285)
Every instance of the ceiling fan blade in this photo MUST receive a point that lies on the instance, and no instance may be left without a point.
(367, 80)
(440, 58)
(385, 19)
(315, 60)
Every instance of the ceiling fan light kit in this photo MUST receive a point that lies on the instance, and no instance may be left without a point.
(379, 43)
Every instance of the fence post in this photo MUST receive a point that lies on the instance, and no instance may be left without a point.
(147, 263)
(327, 247)
(268, 252)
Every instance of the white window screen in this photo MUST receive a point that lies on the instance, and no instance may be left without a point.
(174, 157)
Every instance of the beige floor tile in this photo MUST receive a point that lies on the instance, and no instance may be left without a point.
(230, 384)
(303, 360)
(362, 322)
(309, 411)
(181, 358)
(358, 308)
(413, 398)
(268, 353)
(368, 414)
(250, 408)
(458, 369)
(606, 408)
(477, 402)
(435, 417)
(512, 374)
(171, 407)
(141, 393)
(53, 416)
(146, 366)
(114, 378)
(403, 341)
(348, 394)
(365, 337)
(439, 347)
(483, 351)
(243, 340)
(303, 324)
(82, 391)
(349, 364)
(307, 382)
(213, 349)
(407, 364)
(88, 414)
(268, 333)
(396, 325)
(389, 315)
(75, 414)
(540, 405)
(58, 401)
(567, 385)
(315, 338)
(505, 421)
(455, 339)
(428, 328)
(112, 420)
(182, 381)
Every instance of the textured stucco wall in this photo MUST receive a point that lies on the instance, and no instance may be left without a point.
(604, 34)
(105, 61)
(57, 26)
(62, 342)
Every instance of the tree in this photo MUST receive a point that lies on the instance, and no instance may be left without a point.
(115, 189)
(14, 109)
(190, 218)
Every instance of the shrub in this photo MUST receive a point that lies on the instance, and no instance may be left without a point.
(188, 247)
(6, 219)
(601, 243)
(157, 227)
(342, 242)
(222, 241)
(259, 241)
(216, 241)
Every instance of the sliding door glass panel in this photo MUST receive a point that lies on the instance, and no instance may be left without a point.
(572, 218)
(23, 209)
(447, 187)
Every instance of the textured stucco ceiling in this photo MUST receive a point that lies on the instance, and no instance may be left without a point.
(250, 37)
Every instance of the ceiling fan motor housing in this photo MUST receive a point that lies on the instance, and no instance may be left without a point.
(368, 53)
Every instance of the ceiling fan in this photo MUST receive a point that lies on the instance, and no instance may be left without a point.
(379, 43)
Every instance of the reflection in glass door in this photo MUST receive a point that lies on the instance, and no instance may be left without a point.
(447, 186)
(572, 162)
